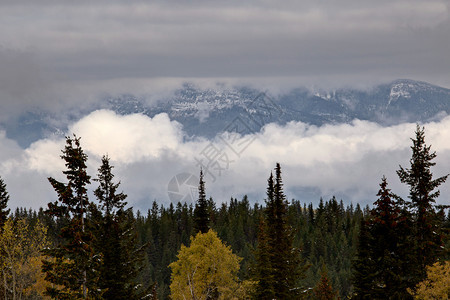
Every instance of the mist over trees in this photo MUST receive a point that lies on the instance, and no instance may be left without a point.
(81, 248)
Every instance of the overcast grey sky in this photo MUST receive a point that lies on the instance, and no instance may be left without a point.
(52, 51)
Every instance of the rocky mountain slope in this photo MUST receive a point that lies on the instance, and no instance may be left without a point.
(207, 112)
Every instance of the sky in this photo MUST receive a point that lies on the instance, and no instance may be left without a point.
(65, 55)
(66, 51)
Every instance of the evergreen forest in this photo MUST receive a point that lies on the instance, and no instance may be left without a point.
(83, 248)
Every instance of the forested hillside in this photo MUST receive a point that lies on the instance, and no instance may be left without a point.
(81, 248)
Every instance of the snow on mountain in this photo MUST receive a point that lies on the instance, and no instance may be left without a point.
(208, 112)
(399, 90)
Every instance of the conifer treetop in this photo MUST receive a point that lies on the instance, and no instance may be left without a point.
(106, 193)
(419, 176)
(201, 215)
(4, 198)
(72, 196)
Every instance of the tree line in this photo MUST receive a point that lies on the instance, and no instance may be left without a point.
(77, 248)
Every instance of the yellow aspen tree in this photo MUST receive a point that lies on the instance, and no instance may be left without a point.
(21, 258)
(436, 285)
(207, 269)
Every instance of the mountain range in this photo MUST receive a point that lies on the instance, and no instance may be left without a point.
(208, 112)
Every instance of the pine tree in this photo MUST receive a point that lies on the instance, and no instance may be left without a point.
(116, 238)
(72, 267)
(154, 294)
(4, 198)
(263, 274)
(280, 239)
(383, 265)
(201, 213)
(110, 201)
(364, 266)
(427, 232)
(390, 226)
(324, 290)
(285, 265)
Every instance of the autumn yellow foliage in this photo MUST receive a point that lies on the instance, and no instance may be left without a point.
(21, 259)
(205, 269)
(436, 285)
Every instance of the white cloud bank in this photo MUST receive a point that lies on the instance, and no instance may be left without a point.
(345, 160)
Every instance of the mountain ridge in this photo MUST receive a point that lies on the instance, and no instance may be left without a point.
(208, 112)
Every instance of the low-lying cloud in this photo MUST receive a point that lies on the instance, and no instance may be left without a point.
(346, 160)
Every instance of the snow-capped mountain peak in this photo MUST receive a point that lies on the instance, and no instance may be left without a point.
(208, 112)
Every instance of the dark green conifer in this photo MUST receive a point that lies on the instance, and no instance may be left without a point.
(382, 268)
(4, 198)
(427, 230)
(110, 201)
(116, 238)
(364, 266)
(201, 213)
(285, 265)
(324, 290)
(4, 212)
(263, 272)
(73, 265)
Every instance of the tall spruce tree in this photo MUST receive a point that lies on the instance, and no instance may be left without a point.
(364, 267)
(427, 229)
(285, 266)
(382, 267)
(4, 212)
(110, 201)
(116, 238)
(4, 198)
(72, 267)
(201, 211)
(263, 273)
(324, 290)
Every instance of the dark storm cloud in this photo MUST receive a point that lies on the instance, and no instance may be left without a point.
(336, 41)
